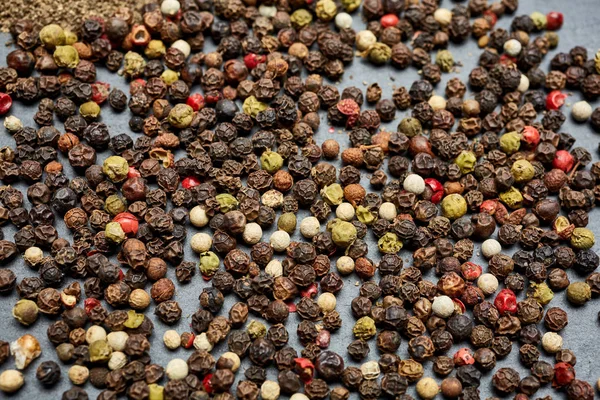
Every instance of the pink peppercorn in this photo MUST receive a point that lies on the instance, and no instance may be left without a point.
(506, 301)
(563, 160)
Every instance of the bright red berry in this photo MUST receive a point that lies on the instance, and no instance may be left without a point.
(129, 223)
(490, 17)
(5, 103)
(100, 91)
(252, 60)
(305, 369)
(564, 373)
(310, 291)
(389, 20)
(471, 271)
(555, 100)
(554, 20)
(89, 304)
(563, 160)
(531, 136)
(190, 182)
(506, 301)
(133, 173)
(463, 357)
(196, 101)
(207, 383)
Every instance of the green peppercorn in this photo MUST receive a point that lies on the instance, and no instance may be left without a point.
(114, 232)
(115, 168)
(300, 18)
(287, 222)
(70, 37)
(66, 57)
(25, 311)
(252, 106)
(333, 194)
(597, 61)
(389, 243)
(227, 202)
(134, 64)
(208, 264)
(510, 142)
(156, 392)
(115, 204)
(364, 328)
(100, 351)
(552, 38)
(582, 238)
(379, 53)
(155, 49)
(52, 35)
(343, 233)
(579, 293)
(512, 198)
(351, 5)
(539, 20)
(445, 60)
(454, 206)
(271, 161)
(540, 292)
(181, 116)
(89, 110)
(256, 329)
(169, 77)
(134, 320)
(364, 215)
(326, 10)
(411, 127)
(466, 161)
(522, 171)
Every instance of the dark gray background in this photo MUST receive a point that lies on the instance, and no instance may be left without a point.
(581, 335)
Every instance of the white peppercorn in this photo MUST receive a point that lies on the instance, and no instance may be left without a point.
(78, 374)
(13, 124)
(234, 358)
(170, 7)
(269, 390)
(512, 47)
(117, 340)
(364, 40)
(437, 102)
(252, 233)
(302, 396)
(198, 217)
(414, 183)
(201, 343)
(272, 198)
(552, 342)
(177, 369)
(488, 284)
(201, 242)
(345, 265)
(182, 46)
(427, 388)
(11, 381)
(343, 20)
(94, 333)
(345, 212)
(274, 268)
(581, 111)
(280, 240)
(490, 247)
(117, 360)
(33, 255)
(370, 370)
(309, 227)
(387, 211)
(172, 339)
(327, 302)
(443, 16)
(523, 84)
(267, 11)
(442, 306)
(139, 299)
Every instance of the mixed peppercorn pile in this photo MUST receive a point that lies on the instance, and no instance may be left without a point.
(223, 147)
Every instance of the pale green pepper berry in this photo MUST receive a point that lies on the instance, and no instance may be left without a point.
(300, 18)
(155, 49)
(522, 171)
(350, 5)
(343, 233)
(454, 206)
(333, 194)
(89, 110)
(364, 215)
(252, 106)
(181, 116)
(156, 392)
(379, 53)
(579, 293)
(411, 127)
(512, 198)
(364, 328)
(114, 232)
(66, 57)
(466, 161)
(134, 319)
(227, 202)
(540, 292)
(169, 77)
(539, 20)
(52, 35)
(70, 37)
(208, 264)
(389, 243)
(510, 142)
(256, 329)
(271, 161)
(115, 168)
(445, 60)
(134, 64)
(287, 222)
(115, 204)
(582, 238)
(326, 10)
(100, 351)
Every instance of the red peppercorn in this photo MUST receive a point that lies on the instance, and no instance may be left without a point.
(490, 17)
(133, 173)
(140, 35)
(348, 107)
(100, 91)
(530, 136)
(437, 189)
(305, 369)
(564, 373)
(89, 304)
(310, 291)
(488, 207)
(136, 85)
(563, 160)
(291, 307)
(463, 357)
(471, 271)
(190, 182)
(252, 60)
(323, 338)
(128, 222)
(5, 103)
(554, 20)
(190, 342)
(459, 306)
(505, 59)
(206, 383)
(213, 97)
(506, 301)
(389, 20)
(121, 275)
(196, 101)
(555, 100)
